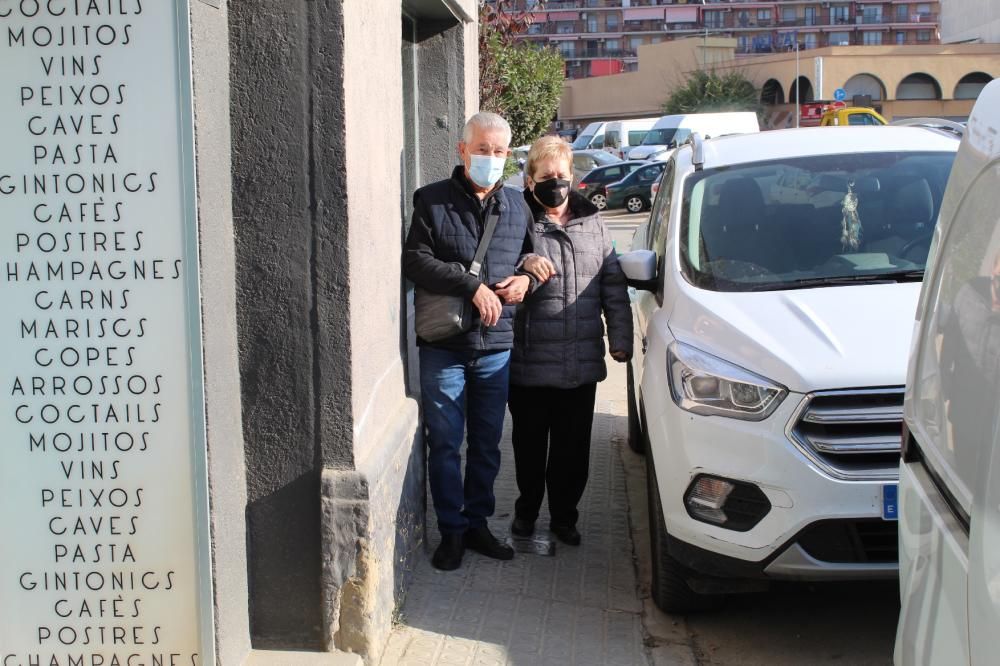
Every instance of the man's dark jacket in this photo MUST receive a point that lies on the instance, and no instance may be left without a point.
(448, 220)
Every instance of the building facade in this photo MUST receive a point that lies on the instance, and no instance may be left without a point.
(903, 81)
(599, 37)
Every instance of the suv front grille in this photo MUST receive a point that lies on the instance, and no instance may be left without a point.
(852, 434)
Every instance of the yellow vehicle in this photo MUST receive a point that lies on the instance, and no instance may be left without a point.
(852, 115)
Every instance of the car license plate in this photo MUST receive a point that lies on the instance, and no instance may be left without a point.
(890, 507)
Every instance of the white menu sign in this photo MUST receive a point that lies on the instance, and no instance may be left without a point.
(103, 558)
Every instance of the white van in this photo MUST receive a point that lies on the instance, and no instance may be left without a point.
(621, 136)
(592, 136)
(672, 131)
(949, 480)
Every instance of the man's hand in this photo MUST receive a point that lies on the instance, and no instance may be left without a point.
(513, 289)
(541, 267)
(619, 355)
(488, 305)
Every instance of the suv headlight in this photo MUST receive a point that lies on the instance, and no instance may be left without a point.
(704, 384)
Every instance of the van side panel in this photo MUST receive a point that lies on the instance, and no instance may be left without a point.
(933, 562)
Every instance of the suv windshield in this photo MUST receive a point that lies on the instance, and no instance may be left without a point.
(663, 137)
(814, 221)
(582, 141)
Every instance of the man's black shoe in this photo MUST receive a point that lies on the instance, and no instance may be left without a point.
(567, 534)
(448, 555)
(483, 542)
(522, 527)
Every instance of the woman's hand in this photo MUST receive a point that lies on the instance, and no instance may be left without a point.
(541, 267)
(513, 289)
(620, 356)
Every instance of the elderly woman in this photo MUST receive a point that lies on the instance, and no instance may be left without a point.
(558, 355)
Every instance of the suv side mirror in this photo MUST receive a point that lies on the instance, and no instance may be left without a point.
(639, 267)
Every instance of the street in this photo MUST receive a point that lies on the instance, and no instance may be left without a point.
(591, 605)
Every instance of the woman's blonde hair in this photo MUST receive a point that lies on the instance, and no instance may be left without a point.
(547, 148)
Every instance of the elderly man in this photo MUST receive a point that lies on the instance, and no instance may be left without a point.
(463, 379)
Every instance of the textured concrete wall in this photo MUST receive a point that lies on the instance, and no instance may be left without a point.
(226, 471)
(289, 204)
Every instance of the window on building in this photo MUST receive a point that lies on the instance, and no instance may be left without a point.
(810, 41)
(743, 18)
(871, 38)
(763, 17)
(902, 13)
(536, 28)
(810, 16)
(788, 15)
(613, 46)
(714, 19)
(923, 9)
(872, 14)
(591, 24)
(923, 36)
(900, 38)
(565, 27)
(840, 14)
(743, 44)
(612, 22)
(840, 39)
(635, 42)
(567, 49)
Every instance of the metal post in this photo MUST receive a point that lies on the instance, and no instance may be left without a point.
(798, 83)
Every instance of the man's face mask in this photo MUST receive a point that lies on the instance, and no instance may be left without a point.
(552, 193)
(486, 170)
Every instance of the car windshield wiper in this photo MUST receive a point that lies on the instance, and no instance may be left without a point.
(838, 280)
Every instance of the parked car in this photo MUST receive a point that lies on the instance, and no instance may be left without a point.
(852, 115)
(776, 283)
(621, 136)
(633, 191)
(591, 136)
(949, 481)
(672, 131)
(585, 161)
(593, 184)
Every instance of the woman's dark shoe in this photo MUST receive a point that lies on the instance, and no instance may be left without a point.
(481, 540)
(567, 534)
(522, 527)
(448, 555)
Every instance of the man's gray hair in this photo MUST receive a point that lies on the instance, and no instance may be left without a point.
(486, 120)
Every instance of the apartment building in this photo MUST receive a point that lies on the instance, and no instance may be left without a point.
(599, 37)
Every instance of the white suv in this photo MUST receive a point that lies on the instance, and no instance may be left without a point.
(949, 484)
(776, 285)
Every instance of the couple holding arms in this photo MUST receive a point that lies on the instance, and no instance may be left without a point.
(536, 343)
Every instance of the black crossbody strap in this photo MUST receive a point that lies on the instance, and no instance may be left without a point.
(484, 243)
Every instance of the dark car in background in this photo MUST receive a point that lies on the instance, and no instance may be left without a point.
(633, 192)
(592, 185)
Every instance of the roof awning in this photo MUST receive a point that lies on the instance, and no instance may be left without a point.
(643, 14)
(682, 14)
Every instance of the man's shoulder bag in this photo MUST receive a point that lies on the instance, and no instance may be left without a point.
(440, 316)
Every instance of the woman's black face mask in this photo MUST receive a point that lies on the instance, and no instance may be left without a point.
(551, 193)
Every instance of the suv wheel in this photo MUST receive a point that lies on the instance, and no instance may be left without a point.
(669, 586)
(599, 200)
(635, 439)
(635, 204)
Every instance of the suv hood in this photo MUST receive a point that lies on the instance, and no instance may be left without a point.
(825, 338)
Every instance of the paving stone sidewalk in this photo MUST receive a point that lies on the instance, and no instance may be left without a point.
(579, 607)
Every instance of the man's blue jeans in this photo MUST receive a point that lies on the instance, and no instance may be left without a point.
(459, 388)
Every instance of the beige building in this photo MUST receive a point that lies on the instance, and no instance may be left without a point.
(903, 81)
